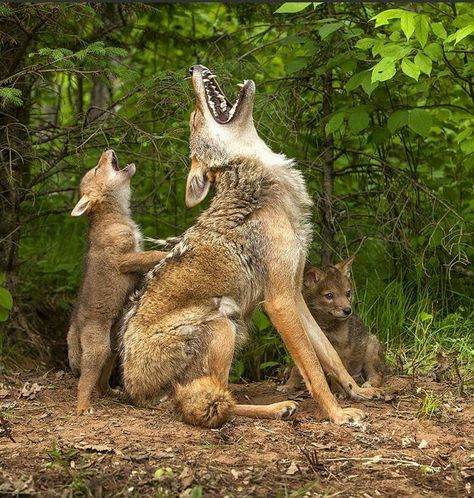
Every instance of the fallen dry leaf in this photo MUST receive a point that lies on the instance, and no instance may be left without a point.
(186, 477)
(423, 444)
(29, 391)
(292, 469)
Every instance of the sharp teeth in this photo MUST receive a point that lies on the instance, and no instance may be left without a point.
(212, 75)
(223, 106)
(221, 98)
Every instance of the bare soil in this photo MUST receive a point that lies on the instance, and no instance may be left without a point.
(419, 442)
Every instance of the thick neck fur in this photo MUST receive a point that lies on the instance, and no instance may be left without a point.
(335, 328)
(110, 210)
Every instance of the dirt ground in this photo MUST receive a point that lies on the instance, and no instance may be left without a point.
(419, 442)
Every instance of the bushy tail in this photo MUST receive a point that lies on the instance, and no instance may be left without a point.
(205, 402)
(165, 244)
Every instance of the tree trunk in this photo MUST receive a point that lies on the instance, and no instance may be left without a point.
(328, 231)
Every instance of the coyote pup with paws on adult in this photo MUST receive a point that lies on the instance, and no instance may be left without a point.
(111, 271)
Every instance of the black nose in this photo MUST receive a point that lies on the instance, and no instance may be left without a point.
(106, 149)
(347, 311)
(191, 69)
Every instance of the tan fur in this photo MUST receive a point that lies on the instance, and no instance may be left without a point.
(328, 292)
(108, 278)
(249, 247)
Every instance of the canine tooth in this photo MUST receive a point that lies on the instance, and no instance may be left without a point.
(223, 105)
(212, 76)
(240, 84)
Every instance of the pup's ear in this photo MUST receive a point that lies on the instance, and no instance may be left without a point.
(345, 266)
(197, 185)
(312, 276)
(83, 206)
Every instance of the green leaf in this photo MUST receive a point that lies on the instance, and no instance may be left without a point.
(397, 120)
(419, 120)
(468, 146)
(385, 16)
(6, 300)
(296, 64)
(384, 70)
(438, 30)
(423, 63)
(407, 23)
(425, 316)
(4, 314)
(464, 32)
(410, 69)
(358, 120)
(292, 7)
(422, 28)
(196, 492)
(365, 43)
(434, 51)
(327, 29)
(463, 135)
(335, 122)
(356, 80)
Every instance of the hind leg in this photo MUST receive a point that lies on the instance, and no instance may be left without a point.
(95, 342)
(373, 363)
(74, 350)
(104, 386)
(221, 352)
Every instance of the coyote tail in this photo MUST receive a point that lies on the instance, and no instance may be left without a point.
(205, 402)
(166, 244)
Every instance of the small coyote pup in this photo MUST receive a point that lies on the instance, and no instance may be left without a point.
(328, 294)
(248, 247)
(110, 264)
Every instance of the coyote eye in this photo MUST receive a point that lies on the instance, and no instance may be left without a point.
(348, 293)
(329, 295)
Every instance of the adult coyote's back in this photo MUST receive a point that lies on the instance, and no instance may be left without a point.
(248, 248)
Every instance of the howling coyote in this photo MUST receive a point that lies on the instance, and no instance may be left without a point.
(248, 248)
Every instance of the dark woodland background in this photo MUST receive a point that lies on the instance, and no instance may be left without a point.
(375, 102)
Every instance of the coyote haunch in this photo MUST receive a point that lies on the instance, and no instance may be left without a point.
(249, 247)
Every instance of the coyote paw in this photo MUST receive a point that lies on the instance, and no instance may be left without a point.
(287, 410)
(366, 393)
(84, 410)
(348, 416)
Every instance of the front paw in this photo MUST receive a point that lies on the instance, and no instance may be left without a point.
(287, 388)
(366, 393)
(348, 416)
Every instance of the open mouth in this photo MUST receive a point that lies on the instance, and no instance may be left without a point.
(222, 110)
(115, 162)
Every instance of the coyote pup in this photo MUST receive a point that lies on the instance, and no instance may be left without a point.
(111, 268)
(328, 294)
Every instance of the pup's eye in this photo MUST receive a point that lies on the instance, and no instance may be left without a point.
(348, 293)
(329, 295)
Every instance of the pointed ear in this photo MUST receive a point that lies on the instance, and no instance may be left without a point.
(312, 276)
(345, 266)
(197, 185)
(83, 206)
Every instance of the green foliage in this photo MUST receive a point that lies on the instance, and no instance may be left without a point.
(6, 300)
(397, 119)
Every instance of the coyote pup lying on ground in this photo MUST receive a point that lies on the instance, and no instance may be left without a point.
(110, 264)
(248, 247)
(328, 294)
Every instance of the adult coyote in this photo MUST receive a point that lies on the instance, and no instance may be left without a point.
(248, 248)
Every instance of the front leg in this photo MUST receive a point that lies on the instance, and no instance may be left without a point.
(329, 358)
(283, 312)
(140, 261)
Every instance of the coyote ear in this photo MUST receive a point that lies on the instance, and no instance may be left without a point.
(82, 206)
(197, 185)
(312, 276)
(345, 266)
